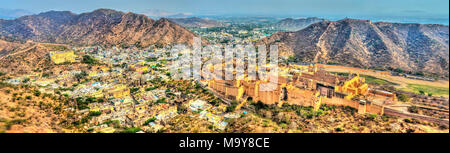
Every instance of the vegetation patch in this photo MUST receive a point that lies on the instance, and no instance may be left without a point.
(426, 90)
(89, 60)
(150, 120)
(403, 97)
(130, 130)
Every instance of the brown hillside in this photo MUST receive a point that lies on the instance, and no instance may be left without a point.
(361, 43)
(100, 27)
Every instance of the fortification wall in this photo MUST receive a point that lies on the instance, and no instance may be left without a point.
(250, 91)
(232, 91)
(269, 97)
(374, 109)
(300, 97)
(218, 87)
(369, 107)
(340, 102)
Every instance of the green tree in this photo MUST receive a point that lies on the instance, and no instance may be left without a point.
(88, 60)
(403, 97)
(422, 92)
(36, 93)
(413, 109)
(398, 70)
(149, 120)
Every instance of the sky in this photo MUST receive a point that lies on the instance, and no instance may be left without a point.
(320, 8)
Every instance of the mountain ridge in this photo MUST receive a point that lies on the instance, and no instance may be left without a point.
(99, 27)
(363, 43)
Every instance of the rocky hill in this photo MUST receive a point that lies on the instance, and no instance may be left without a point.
(290, 24)
(6, 47)
(100, 27)
(24, 58)
(362, 43)
(23, 110)
(197, 22)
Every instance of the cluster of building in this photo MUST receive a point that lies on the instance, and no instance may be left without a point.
(112, 80)
(209, 113)
(234, 34)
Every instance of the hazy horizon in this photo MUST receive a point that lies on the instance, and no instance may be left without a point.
(412, 11)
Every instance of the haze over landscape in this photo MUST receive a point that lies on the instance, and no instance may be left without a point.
(415, 11)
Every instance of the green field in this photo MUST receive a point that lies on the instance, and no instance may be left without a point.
(425, 89)
(377, 81)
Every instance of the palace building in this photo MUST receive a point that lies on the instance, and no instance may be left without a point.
(59, 57)
(307, 86)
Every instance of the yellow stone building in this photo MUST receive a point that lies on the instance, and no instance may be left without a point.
(107, 130)
(92, 74)
(119, 91)
(59, 57)
(353, 87)
(97, 94)
(143, 69)
(104, 69)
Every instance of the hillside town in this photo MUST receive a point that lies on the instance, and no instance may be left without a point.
(132, 90)
(126, 83)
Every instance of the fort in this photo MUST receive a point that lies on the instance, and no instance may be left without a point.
(310, 85)
(307, 86)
